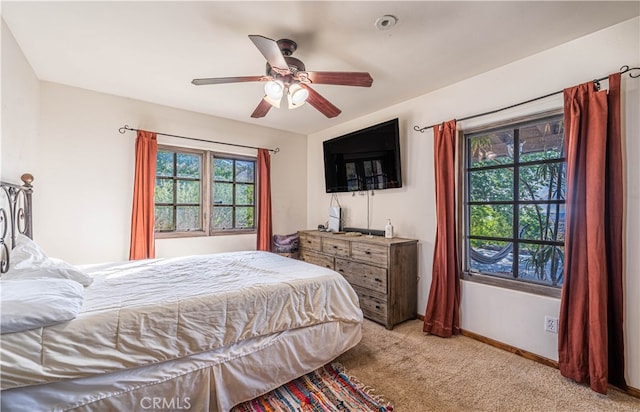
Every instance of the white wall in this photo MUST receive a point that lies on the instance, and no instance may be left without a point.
(20, 100)
(511, 317)
(82, 205)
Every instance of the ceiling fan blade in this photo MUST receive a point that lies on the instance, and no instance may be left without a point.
(261, 110)
(222, 80)
(270, 50)
(323, 105)
(362, 79)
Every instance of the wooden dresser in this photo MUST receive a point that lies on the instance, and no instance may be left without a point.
(383, 272)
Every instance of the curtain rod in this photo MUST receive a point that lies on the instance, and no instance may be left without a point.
(624, 69)
(126, 128)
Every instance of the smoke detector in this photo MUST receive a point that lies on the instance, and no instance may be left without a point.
(386, 22)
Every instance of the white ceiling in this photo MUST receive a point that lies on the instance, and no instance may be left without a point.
(152, 50)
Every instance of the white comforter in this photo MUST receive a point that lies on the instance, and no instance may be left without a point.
(143, 312)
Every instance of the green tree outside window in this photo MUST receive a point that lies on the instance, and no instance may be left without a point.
(515, 202)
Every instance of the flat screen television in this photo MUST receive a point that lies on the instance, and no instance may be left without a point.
(367, 159)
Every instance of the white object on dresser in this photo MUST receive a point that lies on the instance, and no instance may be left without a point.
(388, 230)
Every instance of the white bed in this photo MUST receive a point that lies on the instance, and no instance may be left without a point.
(197, 333)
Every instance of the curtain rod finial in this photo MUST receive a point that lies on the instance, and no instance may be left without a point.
(624, 69)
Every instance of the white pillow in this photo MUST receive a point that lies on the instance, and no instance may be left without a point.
(28, 261)
(26, 254)
(34, 303)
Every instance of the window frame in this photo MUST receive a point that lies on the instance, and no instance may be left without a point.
(464, 205)
(186, 233)
(206, 193)
(234, 157)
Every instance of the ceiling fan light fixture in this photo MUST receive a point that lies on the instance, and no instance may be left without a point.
(297, 95)
(273, 102)
(274, 89)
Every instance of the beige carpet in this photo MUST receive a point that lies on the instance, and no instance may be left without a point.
(420, 373)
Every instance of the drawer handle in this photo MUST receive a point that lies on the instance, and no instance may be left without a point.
(378, 280)
(335, 247)
(341, 270)
(377, 306)
(366, 252)
(327, 266)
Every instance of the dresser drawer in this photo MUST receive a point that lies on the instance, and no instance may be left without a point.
(373, 306)
(310, 242)
(336, 247)
(371, 253)
(316, 258)
(360, 274)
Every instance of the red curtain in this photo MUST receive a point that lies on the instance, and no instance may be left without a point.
(142, 216)
(590, 340)
(442, 317)
(265, 230)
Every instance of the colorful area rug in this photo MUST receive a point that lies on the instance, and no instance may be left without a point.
(326, 389)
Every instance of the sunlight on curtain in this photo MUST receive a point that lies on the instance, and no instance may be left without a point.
(142, 215)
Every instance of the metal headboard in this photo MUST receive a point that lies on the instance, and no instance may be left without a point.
(16, 200)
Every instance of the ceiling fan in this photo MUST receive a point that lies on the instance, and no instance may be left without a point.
(287, 77)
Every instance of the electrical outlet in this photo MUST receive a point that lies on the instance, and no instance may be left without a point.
(551, 324)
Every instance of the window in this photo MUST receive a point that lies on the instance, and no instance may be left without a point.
(191, 201)
(234, 196)
(178, 192)
(514, 208)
